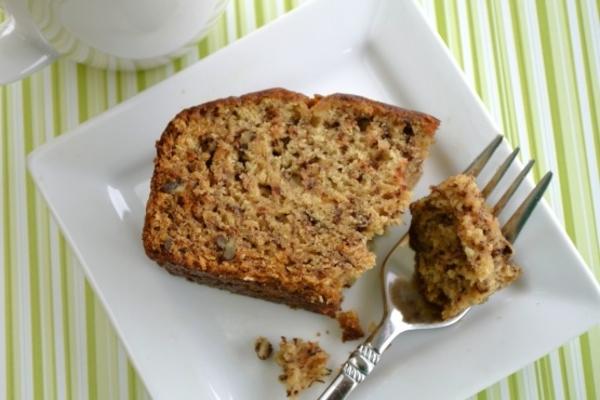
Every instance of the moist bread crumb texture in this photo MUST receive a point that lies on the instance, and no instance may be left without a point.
(461, 255)
(303, 363)
(275, 194)
(350, 325)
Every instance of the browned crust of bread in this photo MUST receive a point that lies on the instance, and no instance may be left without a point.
(270, 291)
(300, 294)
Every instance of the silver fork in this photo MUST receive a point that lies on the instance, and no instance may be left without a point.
(396, 319)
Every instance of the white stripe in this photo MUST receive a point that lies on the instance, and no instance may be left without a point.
(190, 58)
(465, 42)
(111, 88)
(70, 107)
(54, 267)
(490, 77)
(109, 345)
(122, 372)
(452, 39)
(250, 16)
(267, 6)
(504, 389)
(555, 369)
(539, 92)
(514, 80)
(128, 84)
(46, 317)
(79, 338)
(57, 290)
(584, 113)
(230, 18)
(76, 281)
(575, 362)
(3, 235)
(428, 7)
(169, 69)
(592, 15)
(21, 265)
(279, 8)
(39, 121)
(529, 382)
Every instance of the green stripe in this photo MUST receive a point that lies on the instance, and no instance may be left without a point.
(496, 52)
(563, 373)
(59, 116)
(474, 43)
(221, 27)
(50, 298)
(10, 342)
(141, 81)
(82, 92)
(178, 64)
(104, 103)
(513, 387)
(34, 279)
(132, 380)
(288, 5)
(203, 48)
(240, 19)
(441, 21)
(57, 112)
(119, 84)
(547, 387)
(259, 13)
(56, 109)
(588, 370)
(66, 320)
(568, 389)
(91, 341)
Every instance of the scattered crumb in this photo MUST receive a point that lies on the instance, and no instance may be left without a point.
(303, 363)
(351, 329)
(327, 331)
(372, 326)
(318, 334)
(263, 348)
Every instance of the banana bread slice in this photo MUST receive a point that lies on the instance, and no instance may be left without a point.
(461, 256)
(275, 194)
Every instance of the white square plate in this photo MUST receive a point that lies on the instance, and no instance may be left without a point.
(194, 342)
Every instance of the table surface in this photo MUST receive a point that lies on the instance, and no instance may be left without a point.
(535, 65)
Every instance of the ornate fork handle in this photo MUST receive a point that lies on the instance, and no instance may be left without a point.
(359, 365)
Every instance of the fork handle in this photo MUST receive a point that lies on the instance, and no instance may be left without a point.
(359, 365)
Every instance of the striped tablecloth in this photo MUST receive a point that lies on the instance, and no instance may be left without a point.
(535, 64)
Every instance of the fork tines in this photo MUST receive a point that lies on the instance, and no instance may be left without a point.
(515, 223)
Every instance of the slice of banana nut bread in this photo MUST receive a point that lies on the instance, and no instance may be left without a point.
(275, 194)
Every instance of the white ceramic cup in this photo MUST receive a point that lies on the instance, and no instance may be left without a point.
(116, 34)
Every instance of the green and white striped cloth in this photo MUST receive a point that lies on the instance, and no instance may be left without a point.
(535, 64)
